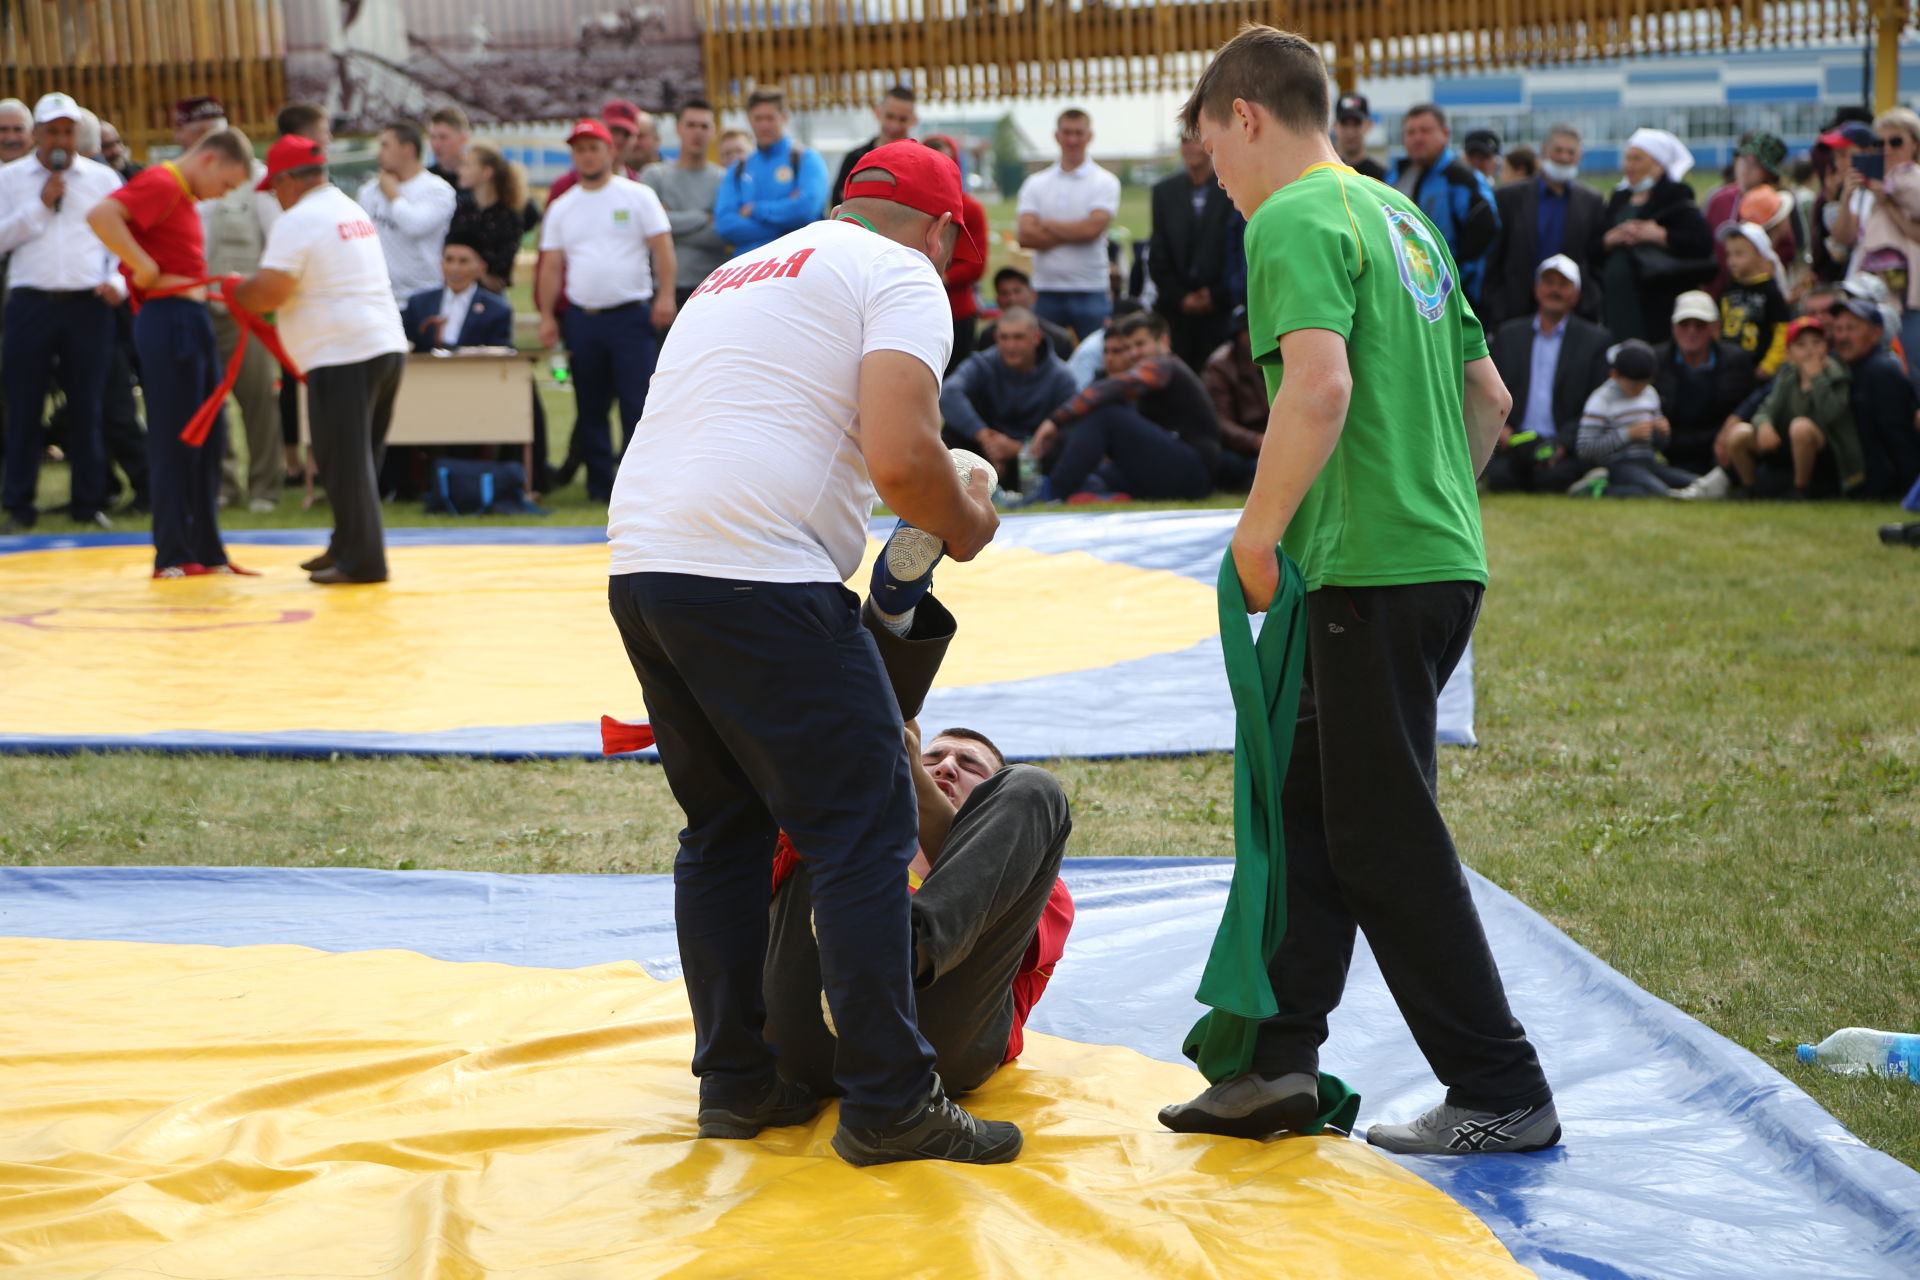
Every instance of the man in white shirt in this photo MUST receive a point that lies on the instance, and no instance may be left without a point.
(1065, 210)
(411, 207)
(62, 288)
(599, 236)
(803, 376)
(323, 273)
(235, 227)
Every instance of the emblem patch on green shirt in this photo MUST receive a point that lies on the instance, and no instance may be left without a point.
(1423, 269)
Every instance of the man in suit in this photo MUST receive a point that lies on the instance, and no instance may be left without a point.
(1551, 361)
(1194, 225)
(460, 313)
(1554, 213)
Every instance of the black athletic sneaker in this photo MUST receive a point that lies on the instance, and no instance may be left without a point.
(788, 1102)
(938, 1131)
(1249, 1106)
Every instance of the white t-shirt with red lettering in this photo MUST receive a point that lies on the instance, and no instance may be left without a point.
(343, 310)
(747, 462)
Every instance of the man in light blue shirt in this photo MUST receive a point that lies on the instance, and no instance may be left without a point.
(779, 188)
(1551, 361)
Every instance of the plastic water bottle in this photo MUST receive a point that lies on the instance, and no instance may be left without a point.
(1854, 1051)
(1029, 472)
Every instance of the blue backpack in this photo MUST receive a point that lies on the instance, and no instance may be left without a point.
(469, 487)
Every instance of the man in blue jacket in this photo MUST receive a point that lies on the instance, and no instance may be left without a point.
(460, 313)
(780, 188)
(1456, 197)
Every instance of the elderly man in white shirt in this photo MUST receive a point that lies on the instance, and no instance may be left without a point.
(63, 286)
(412, 209)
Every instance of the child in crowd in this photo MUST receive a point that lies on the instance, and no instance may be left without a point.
(1753, 307)
(1621, 429)
(1801, 441)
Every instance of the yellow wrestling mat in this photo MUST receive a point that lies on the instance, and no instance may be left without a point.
(467, 635)
(210, 1113)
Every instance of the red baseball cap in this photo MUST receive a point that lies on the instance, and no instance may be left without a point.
(590, 129)
(920, 178)
(1800, 324)
(623, 113)
(291, 152)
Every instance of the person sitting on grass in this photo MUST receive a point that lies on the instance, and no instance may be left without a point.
(1154, 425)
(1622, 429)
(1753, 308)
(1801, 442)
(1239, 394)
(995, 399)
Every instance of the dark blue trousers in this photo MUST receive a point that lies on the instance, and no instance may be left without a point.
(610, 354)
(1152, 461)
(179, 369)
(773, 713)
(75, 332)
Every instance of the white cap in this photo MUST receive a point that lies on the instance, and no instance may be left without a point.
(55, 106)
(1561, 263)
(1696, 304)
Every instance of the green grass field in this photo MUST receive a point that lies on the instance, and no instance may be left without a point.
(1701, 759)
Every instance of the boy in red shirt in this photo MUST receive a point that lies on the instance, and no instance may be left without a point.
(152, 224)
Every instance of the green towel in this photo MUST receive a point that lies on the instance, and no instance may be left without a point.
(1265, 679)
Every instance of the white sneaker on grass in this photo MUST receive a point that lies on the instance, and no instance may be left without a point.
(1711, 487)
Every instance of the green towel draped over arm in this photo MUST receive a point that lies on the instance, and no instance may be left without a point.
(1264, 677)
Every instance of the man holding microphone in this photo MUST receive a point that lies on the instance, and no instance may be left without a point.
(802, 377)
(62, 288)
(323, 272)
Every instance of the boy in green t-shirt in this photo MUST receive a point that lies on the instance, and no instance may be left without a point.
(1385, 408)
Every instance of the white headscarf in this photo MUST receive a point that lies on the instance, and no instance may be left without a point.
(1669, 151)
(1756, 235)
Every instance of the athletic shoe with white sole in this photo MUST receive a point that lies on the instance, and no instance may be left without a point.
(1249, 1106)
(903, 573)
(938, 1131)
(1711, 487)
(1455, 1131)
(788, 1102)
(1590, 485)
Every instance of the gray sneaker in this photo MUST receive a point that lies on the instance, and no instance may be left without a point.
(938, 1131)
(1248, 1106)
(1455, 1131)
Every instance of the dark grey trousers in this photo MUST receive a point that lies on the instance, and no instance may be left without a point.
(972, 921)
(348, 409)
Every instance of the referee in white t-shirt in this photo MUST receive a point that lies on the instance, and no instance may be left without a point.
(324, 274)
(801, 377)
(598, 235)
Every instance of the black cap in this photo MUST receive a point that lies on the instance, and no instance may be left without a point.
(1353, 107)
(1482, 142)
(1633, 359)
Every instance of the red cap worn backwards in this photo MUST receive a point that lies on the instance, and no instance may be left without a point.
(920, 178)
(291, 152)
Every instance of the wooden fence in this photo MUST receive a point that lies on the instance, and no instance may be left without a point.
(128, 61)
(844, 53)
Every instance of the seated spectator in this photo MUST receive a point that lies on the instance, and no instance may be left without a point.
(494, 214)
(1551, 361)
(1153, 427)
(1621, 431)
(1753, 305)
(996, 399)
(1650, 243)
(990, 916)
(1884, 403)
(1088, 363)
(1013, 287)
(1239, 393)
(461, 313)
(1702, 381)
(1801, 443)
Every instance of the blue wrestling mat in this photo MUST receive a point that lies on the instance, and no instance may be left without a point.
(1080, 635)
(1685, 1156)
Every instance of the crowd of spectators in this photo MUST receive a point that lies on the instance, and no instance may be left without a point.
(1763, 341)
